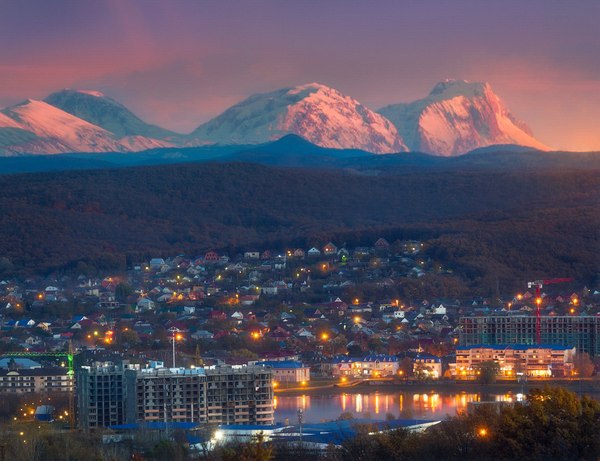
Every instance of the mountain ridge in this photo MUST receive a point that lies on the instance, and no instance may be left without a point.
(457, 116)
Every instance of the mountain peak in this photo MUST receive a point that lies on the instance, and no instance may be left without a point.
(97, 94)
(458, 116)
(450, 88)
(311, 86)
(96, 108)
(320, 114)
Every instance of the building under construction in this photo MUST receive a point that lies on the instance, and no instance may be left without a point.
(110, 395)
(581, 332)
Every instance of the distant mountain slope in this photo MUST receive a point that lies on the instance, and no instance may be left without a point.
(294, 151)
(57, 131)
(456, 117)
(320, 114)
(105, 112)
(37, 127)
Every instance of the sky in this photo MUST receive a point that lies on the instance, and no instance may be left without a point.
(178, 63)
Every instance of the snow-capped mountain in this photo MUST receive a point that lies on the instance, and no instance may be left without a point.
(37, 127)
(105, 112)
(57, 131)
(319, 114)
(456, 117)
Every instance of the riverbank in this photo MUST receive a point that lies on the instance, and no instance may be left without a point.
(330, 387)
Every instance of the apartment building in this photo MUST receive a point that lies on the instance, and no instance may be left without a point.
(536, 361)
(239, 395)
(581, 332)
(110, 395)
(39, 380)
(164, 394)
(105, 394)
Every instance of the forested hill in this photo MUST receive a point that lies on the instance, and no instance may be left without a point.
(537, 221)
(294, 151)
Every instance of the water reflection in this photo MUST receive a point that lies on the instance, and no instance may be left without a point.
(377, 405)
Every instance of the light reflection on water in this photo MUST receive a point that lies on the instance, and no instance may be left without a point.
(378, 405)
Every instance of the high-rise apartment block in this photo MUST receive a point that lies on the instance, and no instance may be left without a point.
(581, 332)
(110, 395)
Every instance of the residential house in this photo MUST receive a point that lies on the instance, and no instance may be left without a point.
(314, 252)
(330, 249)
(376, 366)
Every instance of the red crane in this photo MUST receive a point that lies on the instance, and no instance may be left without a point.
(538, 284)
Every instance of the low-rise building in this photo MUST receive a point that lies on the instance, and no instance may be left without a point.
(377, 365)
(535, 361)
(39, 380)
(287, 371)
(427, 365)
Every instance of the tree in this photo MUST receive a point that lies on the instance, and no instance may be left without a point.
(583, 365)
(488, 372)
(406, 367)
(130, 337)
(122, 291)
(422, 372)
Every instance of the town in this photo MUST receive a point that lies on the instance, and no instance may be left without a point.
(299, 319)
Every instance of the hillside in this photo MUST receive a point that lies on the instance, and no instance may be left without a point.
(543, 221)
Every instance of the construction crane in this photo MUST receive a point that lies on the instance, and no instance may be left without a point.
(70, 372)
(538, 285)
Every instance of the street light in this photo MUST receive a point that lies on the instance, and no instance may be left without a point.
(175, 336)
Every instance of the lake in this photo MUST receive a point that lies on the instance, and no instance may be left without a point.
(376, 405)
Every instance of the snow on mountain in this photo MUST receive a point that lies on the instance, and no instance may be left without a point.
(58, 131)
(7, 122)
(320, 114)
(37, 127)
(456, 117)
(96, 108)
(138, 143)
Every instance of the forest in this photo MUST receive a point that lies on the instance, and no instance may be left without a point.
(489, 224)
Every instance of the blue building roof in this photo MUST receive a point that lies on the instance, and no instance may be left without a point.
(281, 364)
(518, 347)
(343, 359)
(155, 425)
(422, 356)
(19, 362)
(380, 358)
(335, 432)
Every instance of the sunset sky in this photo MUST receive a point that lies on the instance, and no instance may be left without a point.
(179, 63)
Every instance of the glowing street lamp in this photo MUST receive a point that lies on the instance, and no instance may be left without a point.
(176, 336)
